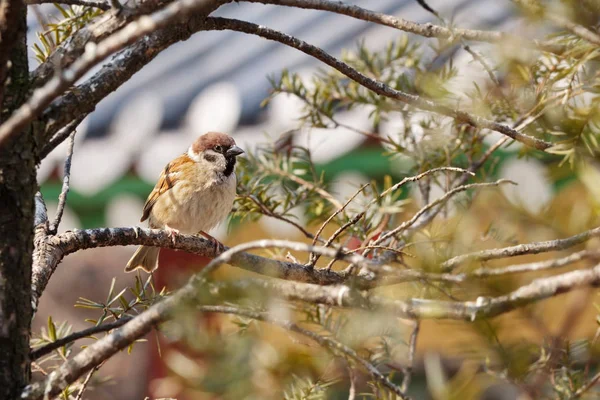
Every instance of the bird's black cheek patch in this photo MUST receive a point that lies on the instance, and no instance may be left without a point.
(210, 158)
(230, 166)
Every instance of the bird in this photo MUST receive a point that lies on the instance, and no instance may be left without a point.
(194, 193)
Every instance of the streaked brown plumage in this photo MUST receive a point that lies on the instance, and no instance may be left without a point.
(193, 194)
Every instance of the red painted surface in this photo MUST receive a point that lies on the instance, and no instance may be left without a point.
(174, 269)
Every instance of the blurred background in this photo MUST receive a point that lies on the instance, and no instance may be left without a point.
(217, 81)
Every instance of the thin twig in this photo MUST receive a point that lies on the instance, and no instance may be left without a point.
(87, 380)
(585, 388)
(428, 8)
(415, 178)
(477, 57)
(42, 351)
(103, 5)
(403, 182)
(313, 258)
(441, 200)
(374, 85)
(535, 266)
(412, 349)
(60, 137)
(339, 231)
(521, 249)
(326, 195)
(280, 217)
(352, 376)
(62, 198)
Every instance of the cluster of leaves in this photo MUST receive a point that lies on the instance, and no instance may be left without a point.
(280, 180)
(553, 96)
(71, 19)
(128, 302)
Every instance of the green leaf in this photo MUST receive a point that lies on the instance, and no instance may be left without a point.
(51, 329)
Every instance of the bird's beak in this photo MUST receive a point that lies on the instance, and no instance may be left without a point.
(234, 151)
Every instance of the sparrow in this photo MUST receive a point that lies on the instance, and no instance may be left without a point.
(194, 193)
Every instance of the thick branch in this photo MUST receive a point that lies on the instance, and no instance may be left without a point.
(93, 54)
(376, 86)
(83, 99)
(10, 11)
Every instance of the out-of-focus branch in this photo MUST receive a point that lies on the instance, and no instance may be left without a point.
(441, 200)
(484, 272)
(427, 30)
(415, 308)
(521, 249)
(327, 342)
(340, 296)
(560, 21)
(42, 97)
(412, 349)
(376, 86)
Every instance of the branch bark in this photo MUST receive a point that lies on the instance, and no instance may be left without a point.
(93, 54)
(17, 192)
(83, 99)
(10, 11)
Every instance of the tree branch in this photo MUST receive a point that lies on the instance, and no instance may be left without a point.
(376, 86)
(427, 30)
(42, 351)
(62, 198)
(103, 5)
(10, 10)
(340, 296)
(441, 200)
(416, 308)
(83, 99)
(521, 249)
(93, 54)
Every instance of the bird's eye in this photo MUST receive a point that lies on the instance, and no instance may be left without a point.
(219, 148)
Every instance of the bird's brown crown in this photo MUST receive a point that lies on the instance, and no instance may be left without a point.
(210, 140)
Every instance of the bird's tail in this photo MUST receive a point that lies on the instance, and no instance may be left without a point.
(145, 257)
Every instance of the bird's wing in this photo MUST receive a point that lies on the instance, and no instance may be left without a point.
(168, 178)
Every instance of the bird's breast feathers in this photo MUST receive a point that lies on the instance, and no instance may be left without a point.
(197, 199)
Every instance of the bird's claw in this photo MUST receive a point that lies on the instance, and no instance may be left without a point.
(172, 234)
